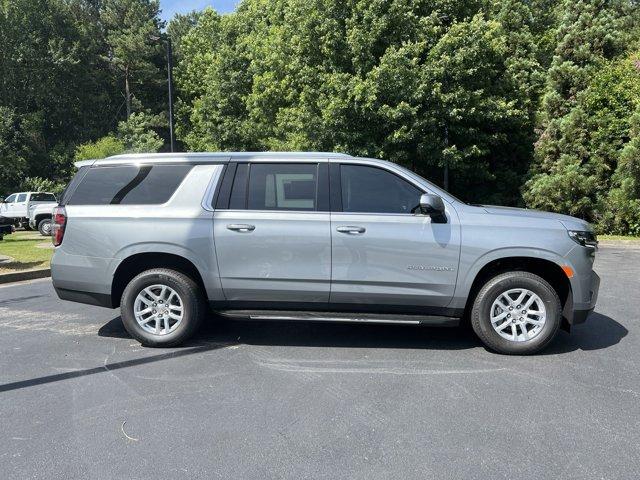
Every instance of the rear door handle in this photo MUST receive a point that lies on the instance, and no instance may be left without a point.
(351, 230)
(241, 227)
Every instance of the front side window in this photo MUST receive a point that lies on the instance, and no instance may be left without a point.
(374, 190)
(129, 185)
(21, 198)
(282, 186)
(11, 198)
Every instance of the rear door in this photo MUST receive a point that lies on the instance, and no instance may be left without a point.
(384, 252)
(272, 232)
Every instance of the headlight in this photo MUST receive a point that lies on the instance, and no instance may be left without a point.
(586, 239)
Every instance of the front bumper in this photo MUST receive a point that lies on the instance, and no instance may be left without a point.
(576, 313)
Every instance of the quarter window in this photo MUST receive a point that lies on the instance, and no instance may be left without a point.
(374, 190)
(282, 186)
(129, 185)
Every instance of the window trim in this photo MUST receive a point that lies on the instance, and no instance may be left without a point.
(321, 204)
(336, 189)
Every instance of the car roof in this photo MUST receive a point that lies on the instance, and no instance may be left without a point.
(205, 157)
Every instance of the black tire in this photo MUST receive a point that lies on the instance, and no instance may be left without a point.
(44, 227)
(481, 313)
(193, 305)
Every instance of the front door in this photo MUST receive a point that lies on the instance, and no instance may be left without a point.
(7, 205)
(272, 234)
(383, 252)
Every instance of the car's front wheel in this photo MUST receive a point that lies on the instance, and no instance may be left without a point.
(162, 307)
(516, 313)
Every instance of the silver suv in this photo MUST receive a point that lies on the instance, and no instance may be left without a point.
(312, 236)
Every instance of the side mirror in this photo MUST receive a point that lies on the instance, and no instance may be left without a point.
(433, 206)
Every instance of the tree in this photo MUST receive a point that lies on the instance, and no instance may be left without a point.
(132, 31)
(101, 148)
(12, 159)
(137, 134)
(590, 33)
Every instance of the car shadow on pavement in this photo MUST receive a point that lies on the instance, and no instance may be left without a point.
(219, 330)
(599, 332)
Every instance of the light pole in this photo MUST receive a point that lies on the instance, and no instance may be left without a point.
(170, 82)
(172, 139)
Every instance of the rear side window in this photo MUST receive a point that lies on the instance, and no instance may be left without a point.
(128, 185)
(282, 186)
(374, 190)
(21, 198)
(43, 197)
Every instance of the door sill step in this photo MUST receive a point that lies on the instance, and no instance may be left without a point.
(344, 317)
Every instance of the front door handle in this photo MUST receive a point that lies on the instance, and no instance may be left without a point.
(351, 230)
(241, 227)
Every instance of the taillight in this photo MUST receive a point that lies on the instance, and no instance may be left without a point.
(59, 222)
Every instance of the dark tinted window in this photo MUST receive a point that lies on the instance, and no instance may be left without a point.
(373, 190)
(283, 186)
(238, 198)
(70, 188)
(129, 185)
(43, 197)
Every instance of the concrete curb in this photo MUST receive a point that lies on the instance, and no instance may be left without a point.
(24, 275)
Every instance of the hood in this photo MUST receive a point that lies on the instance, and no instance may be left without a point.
(570, 223)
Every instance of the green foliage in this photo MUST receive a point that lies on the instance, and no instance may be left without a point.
(134, 50)
(622, 206)
(101, 148)
(591, 90)
(420, 83)
(137, 134)
(12, 155)
(39, 184)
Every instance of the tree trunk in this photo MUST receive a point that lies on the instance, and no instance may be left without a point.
(127, 93)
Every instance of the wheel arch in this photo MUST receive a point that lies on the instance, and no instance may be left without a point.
(41, 216)
(547, 268)
(137, 263)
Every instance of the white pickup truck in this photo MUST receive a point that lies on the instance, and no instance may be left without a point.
(40, 217)
(19, 206)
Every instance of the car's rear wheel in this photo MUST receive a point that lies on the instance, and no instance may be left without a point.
(516, 313)
(44, 227)
(162, 307)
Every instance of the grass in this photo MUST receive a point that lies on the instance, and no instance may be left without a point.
(22, 247)
(618, 238)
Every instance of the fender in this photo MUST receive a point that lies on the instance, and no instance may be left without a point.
(465, 280)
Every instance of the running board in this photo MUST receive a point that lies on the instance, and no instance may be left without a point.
(346, 317)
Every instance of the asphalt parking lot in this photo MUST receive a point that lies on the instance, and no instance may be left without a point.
(80, 399)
